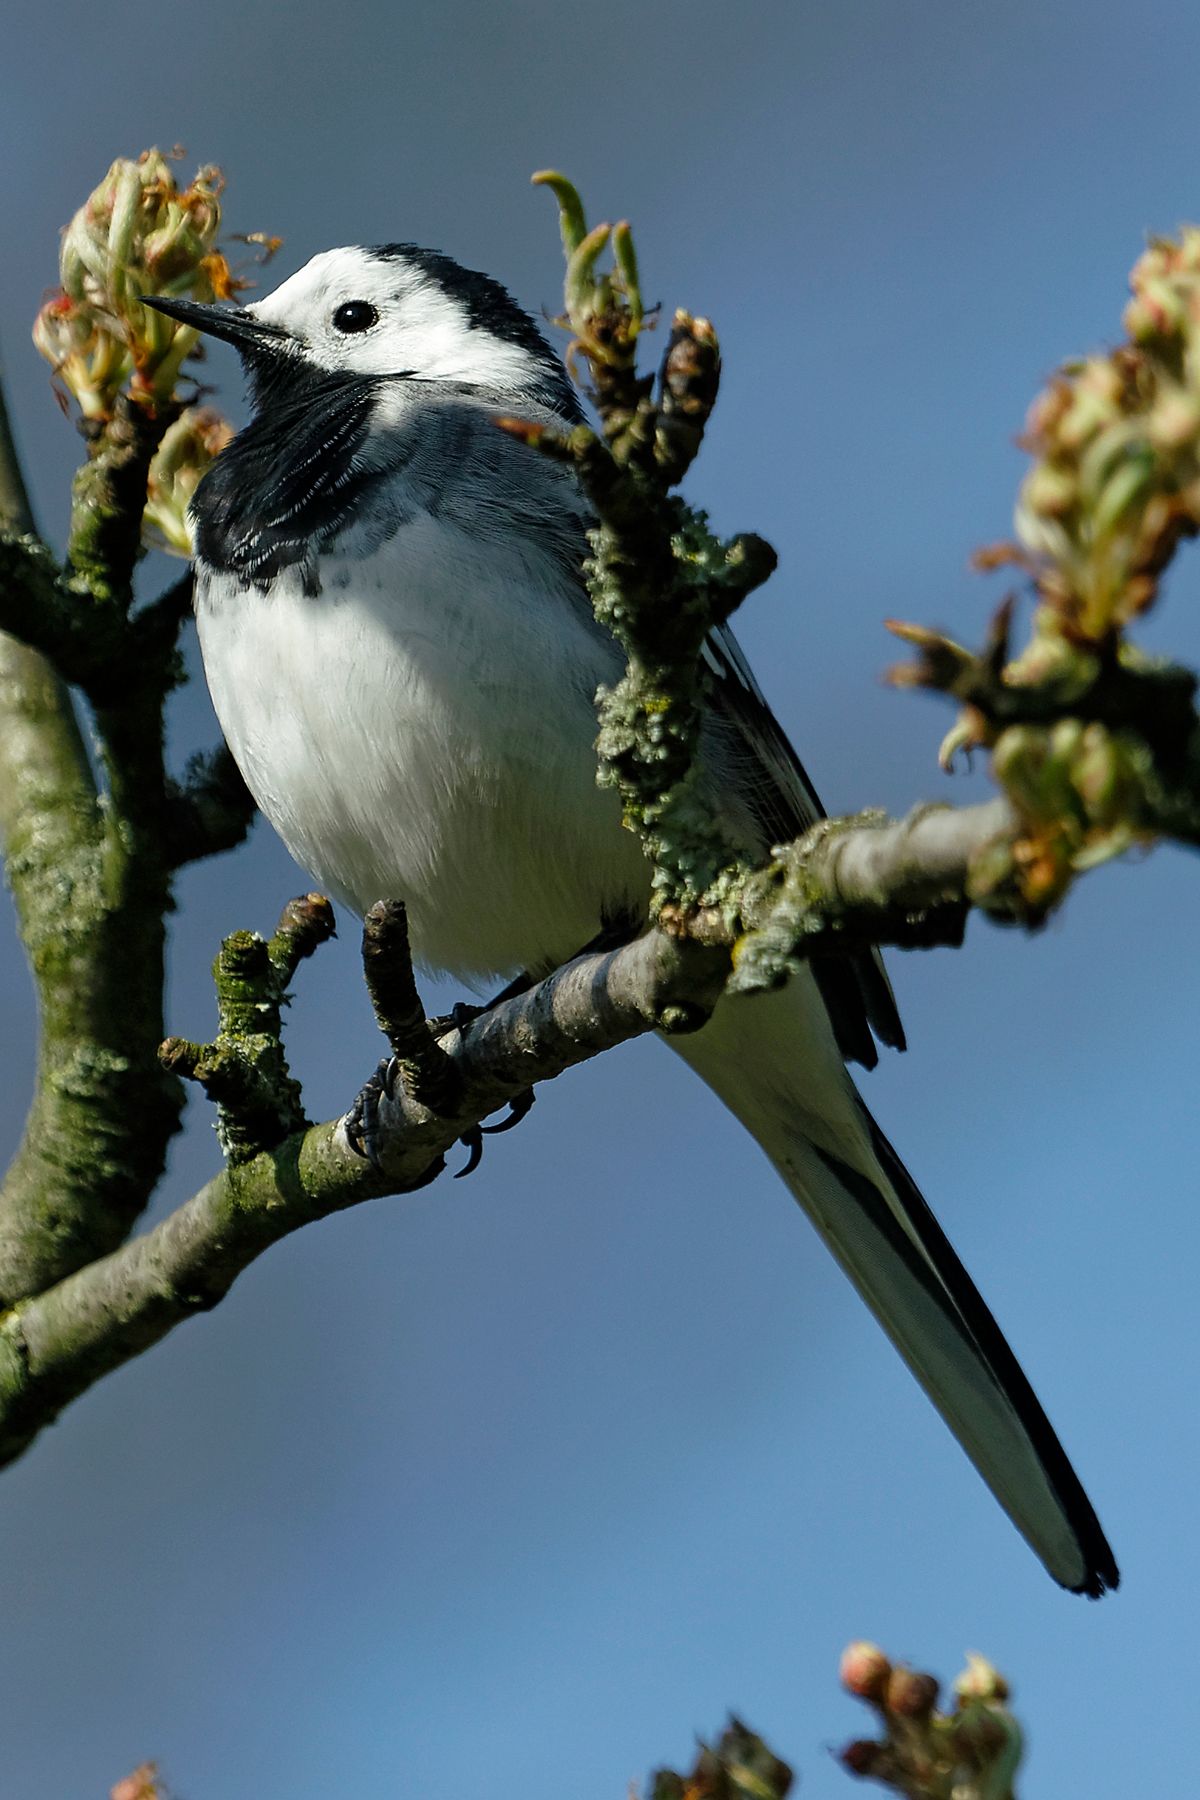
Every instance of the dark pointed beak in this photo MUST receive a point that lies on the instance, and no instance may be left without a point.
(234, 324)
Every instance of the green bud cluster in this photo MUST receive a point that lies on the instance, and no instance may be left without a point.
(1092, 740)
(1077, 786)
(138, 233)
(1116, 438)
(739, 1766)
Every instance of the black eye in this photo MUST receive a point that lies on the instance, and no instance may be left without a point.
(355, 315)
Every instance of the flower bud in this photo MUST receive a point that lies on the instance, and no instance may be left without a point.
(86, 357)
(864, 1757)
(1096, 397)
(864, 1670)
(1050, 489)
(1045, 413)
(980, 1680)
(910, 1694)
(141, 1785)
(185, 453)
(1100, 775)
(1157, 310)
(1175, 420)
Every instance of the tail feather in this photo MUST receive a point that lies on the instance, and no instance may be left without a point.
(773, 1061)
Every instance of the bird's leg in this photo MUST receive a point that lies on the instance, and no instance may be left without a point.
(460, 1018)
(462, 1015)
(362, 1120)
(612, 934)
(417, 1059)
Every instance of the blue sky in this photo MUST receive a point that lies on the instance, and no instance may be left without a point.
(512, 1486)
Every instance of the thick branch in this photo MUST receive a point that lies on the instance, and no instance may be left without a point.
(109, 498)
(55, 1345)
(859, 880)
(91, 889)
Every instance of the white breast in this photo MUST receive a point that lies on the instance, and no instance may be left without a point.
(422, 729)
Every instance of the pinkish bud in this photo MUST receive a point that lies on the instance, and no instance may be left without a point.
(141, 1785)
(864, 1670)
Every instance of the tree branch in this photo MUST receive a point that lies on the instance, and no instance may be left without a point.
(91, 872)
(1095, 749)
(92, 889)
(56, 1344)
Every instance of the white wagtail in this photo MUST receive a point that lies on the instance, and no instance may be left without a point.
(403, 659)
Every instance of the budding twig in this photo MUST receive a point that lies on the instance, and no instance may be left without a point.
(970, 1753)
(244, 1068)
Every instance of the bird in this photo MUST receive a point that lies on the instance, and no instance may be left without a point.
(403, 658)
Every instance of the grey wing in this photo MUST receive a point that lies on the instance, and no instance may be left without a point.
(855, 987)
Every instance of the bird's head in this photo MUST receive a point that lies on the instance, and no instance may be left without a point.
(389, 310)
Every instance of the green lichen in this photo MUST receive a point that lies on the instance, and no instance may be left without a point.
(244, 1068)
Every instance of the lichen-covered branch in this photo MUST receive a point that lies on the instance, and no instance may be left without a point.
(244, 1069)
(90, 867)
(92, 898)
(55, 1344)
(1095, 745)
(95, 1139)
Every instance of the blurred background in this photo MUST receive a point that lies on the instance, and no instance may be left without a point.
(513, 1486)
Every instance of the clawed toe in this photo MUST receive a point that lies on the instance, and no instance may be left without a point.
(460, 1018)
(473, 1140)
(362, 1120)
(518, 1109)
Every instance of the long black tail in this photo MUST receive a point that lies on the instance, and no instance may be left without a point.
(773, 1061)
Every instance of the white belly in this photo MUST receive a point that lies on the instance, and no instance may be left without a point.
(429, 741)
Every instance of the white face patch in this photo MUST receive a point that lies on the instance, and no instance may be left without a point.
(419, 329)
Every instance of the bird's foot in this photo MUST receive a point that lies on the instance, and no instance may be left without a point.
(361, 1123)
(460, 1019)
(472, 1140)
(362, 1120)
